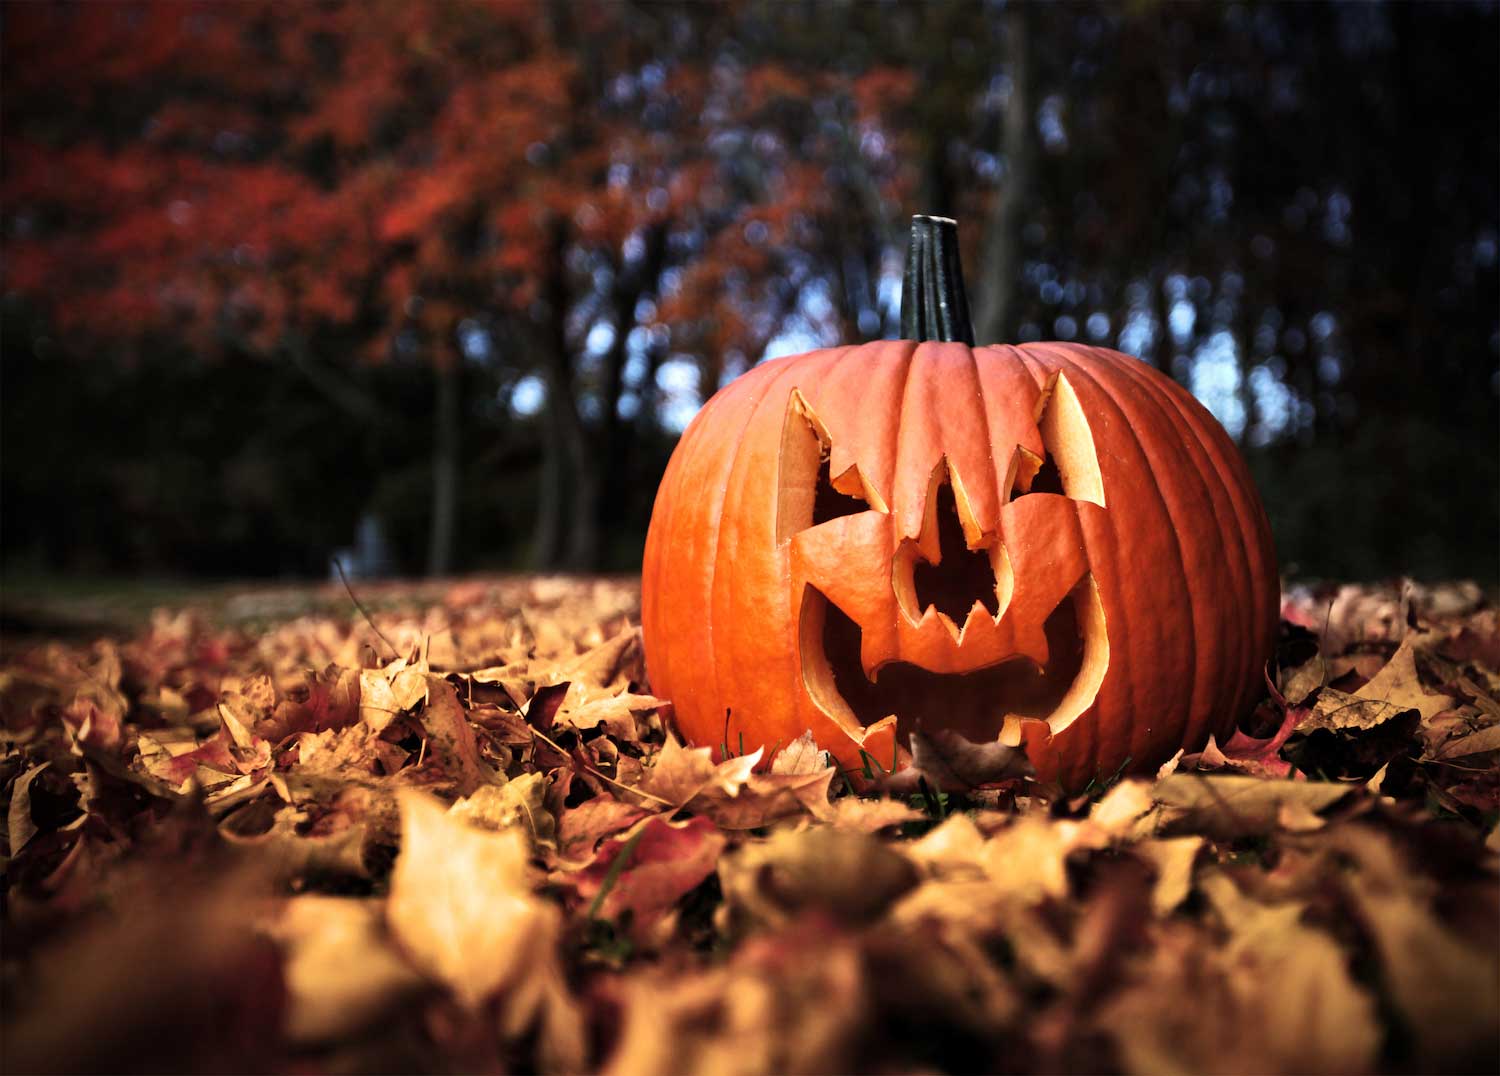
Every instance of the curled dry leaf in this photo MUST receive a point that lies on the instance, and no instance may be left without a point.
(948, 762)
(387, 693)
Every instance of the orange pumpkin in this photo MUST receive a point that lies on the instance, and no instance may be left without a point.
(1049, 544)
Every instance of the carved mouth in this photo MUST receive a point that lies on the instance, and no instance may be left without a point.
(975, 703)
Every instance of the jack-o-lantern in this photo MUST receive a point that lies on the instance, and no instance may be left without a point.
(1049, 544)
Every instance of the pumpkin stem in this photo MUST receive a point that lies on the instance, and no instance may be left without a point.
(934, 305)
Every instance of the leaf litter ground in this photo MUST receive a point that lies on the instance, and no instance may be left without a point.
(455, 835)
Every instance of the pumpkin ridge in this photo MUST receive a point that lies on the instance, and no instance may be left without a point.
(1238, 640)
(1087, 733)
(1138, 730)
(735, 460)
(774, 395)
(662, 539)
(900, 437)
(995, 479)
(1167, 455)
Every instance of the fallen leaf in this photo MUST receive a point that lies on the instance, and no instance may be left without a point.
(581, 828)
(1278, 999)
(462, 904)
(870, 815)
(679, 774)
(1173, 859)
(769, 1010)
(850, 876)
(1476, 743)
(802, 755)
(1400, 685)
(645, 870)
(387, 693)
(948, 762)
(18, 816)
(519, 802)
(450, 738)
(342, 970)
(1233, 806)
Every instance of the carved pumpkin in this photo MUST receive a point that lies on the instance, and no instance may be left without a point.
(1048, 543)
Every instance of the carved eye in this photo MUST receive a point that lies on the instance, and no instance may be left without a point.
(1070, 464)
(809, 493)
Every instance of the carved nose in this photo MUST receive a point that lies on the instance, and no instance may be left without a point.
(960, 576)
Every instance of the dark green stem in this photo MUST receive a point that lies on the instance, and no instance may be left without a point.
(934, 305)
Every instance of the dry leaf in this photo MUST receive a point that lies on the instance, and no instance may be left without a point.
(802, 755)
(1173, 859)
(848, 875)
(520, 802)
(450, 738)
(948, 762)
(1400, 685)
(462, 904)
(1232, 806)
(645, 870)
(342, 970)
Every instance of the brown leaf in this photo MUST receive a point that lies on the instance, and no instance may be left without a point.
(1476, 743)
(1399, 685)
(611, 665)
(1173, 859)
(1444, 980)
(387, 693)
(847, 875)
(581, 828)
(948, 762)
(342, 970)
(1278, 998)
(519, 802)
(450, 738)
(18, 817)
(870, 815)
(769, 1010)
(463, 909)
(677, 774)
(645, 870)
(1232, 806)
(802, 755)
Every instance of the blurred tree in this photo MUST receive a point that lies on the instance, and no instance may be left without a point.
(573, 221)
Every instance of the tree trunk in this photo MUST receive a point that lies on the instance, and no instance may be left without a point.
(446, 416)
(547, 525)
(631, 284)
(1000, 272)
(581, 549)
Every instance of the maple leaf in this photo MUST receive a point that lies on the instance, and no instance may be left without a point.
(643, 871)
(342, 970)
(1231, 806)
(462, 907)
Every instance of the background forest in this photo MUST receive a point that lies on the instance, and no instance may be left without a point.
(445, 281)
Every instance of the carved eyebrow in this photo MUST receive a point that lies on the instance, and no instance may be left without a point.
(1070, 465)
(807, 492)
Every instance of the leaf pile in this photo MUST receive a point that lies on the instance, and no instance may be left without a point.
(460, 837)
